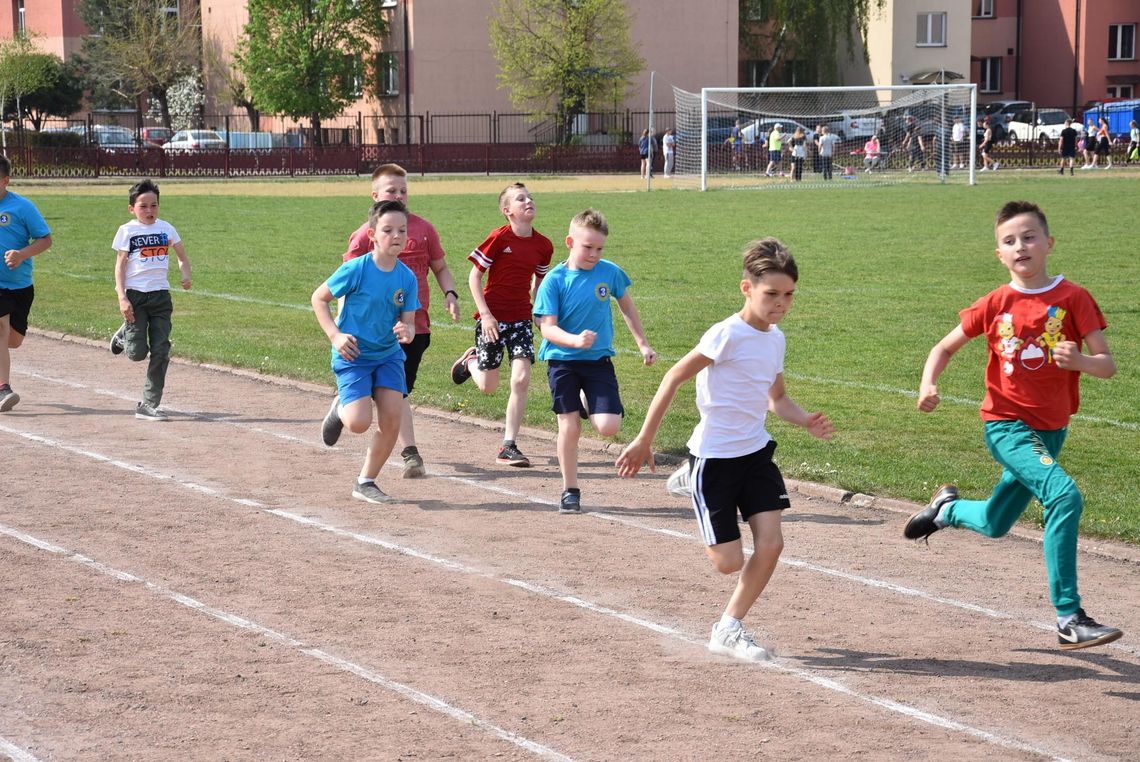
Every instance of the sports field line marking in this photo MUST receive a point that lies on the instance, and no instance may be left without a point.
(507, 492)
(797, 672)
(14, 752)
(234, 620)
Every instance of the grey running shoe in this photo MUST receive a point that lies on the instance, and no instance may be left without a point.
(922, 524)
(332, 426)
(370, 493)
(571, 501)
(680, 482)
(145, 412)
(1084, 632)
(117, 345)
(511, 455)
(413, 463)
(738, 643)
(459, 369)
(8, 398)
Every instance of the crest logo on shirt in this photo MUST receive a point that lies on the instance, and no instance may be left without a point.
(398, 298)
(602, 291)
(5, 219)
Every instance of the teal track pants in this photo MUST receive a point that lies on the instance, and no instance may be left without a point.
(1030, 469)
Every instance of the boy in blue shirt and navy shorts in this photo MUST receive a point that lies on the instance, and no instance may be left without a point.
(23, 235)
(377, 316)
(573, 312)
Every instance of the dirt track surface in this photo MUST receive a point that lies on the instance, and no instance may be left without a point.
(207, 589)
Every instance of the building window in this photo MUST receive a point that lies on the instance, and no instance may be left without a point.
(355, 76)
(991, 75)
(1120, 91)
(388, 74)
(754, 72)
(931, 30)
(754, 11)
(983, 9)
(1121, 42)
(21, 20)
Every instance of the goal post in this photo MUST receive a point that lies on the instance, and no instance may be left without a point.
(736, 137)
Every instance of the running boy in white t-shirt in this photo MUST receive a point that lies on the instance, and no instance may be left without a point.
(142, 248)
(739, 365)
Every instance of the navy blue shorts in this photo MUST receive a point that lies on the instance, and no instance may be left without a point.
(16, 303)
(749, 484)
(568, 378)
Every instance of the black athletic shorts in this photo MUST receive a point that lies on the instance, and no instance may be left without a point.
(413, 353)
(749, 484)
(16, 303)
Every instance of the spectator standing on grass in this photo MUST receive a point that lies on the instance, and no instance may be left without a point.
(23, 234)
(799, 154)
(1103, 143)
(1067, 147)
(645, 146)
(739, 367)
(775, 149)
(573, 311)
(514, 259)
(379, 303)
(1090, 144)
(1034, 328)
(422, 253)
(1133, 143)
(669, 146)
(826, 143)
(142, 247)
(958, 144)
(987, 145)
(914, 145)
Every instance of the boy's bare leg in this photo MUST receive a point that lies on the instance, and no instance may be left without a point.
(768, 543)
(486, 380)
(569, 429)
(388, 411)
(357, 415)
(407, 429)
(516, 402)
(6, 334)
(606, 424)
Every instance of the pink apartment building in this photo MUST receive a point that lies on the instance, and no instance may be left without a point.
(1056, 53)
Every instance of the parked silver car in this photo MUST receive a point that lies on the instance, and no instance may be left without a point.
(193, 140)
(1025, 125)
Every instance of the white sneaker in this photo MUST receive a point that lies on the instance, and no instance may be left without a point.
(738, 642)
(983, 169)
(678, 483)
(996, 165)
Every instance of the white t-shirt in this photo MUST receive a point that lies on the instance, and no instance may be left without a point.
(148, 250)
(732, 393)
(959, 132)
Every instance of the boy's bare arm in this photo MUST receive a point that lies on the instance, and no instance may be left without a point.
(640, 450)
(121, 287)
(446, 283)
(183, 264)
(817, 424)
(1098, 362)
(632, 319)
(936, 362)
(552, 332)
(488, 323)
(405, 327)
(15, 257)
(344, 343)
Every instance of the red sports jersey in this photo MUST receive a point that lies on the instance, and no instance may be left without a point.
(1021, 328)
(511, 262)
(423, 248)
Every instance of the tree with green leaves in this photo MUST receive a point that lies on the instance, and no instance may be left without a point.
(23, 69)
(61, 94)
(808, 30)
(311, 58)
(139, 48)
(563, 57)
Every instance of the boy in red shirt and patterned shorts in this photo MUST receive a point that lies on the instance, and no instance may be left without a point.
(514, 258)
(1034, 328)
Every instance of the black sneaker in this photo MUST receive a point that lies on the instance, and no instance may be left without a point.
(1084, 632)
(332, 426)
(921, 525)
(510, 455)
(459, 371)
(117, 345)
(571, 501)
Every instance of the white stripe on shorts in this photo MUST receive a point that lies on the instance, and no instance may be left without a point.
(699, 507)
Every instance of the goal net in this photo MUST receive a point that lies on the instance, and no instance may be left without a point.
(776, 136)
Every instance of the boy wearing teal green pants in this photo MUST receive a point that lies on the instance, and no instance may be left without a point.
(1034, 329)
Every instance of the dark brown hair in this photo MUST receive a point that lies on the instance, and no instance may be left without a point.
(1014, 208)
(769, 255)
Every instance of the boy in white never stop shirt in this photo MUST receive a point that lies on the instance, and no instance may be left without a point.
(739, 365)
(143, 249)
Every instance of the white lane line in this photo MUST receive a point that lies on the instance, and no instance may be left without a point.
(799, 672)
(234, 620)
(507, 492)
(14, 752)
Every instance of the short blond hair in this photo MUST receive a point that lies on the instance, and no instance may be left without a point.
(591, 219)
(508, 189)
(388, 170)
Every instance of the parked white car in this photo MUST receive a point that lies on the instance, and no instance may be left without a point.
(850, 125)
(193, 140)
(1048, 122)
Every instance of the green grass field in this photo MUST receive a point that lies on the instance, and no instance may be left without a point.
(884, 272)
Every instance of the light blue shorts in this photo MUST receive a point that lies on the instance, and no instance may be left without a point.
(357, 379)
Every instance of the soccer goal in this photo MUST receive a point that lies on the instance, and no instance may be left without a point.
(738, 137)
